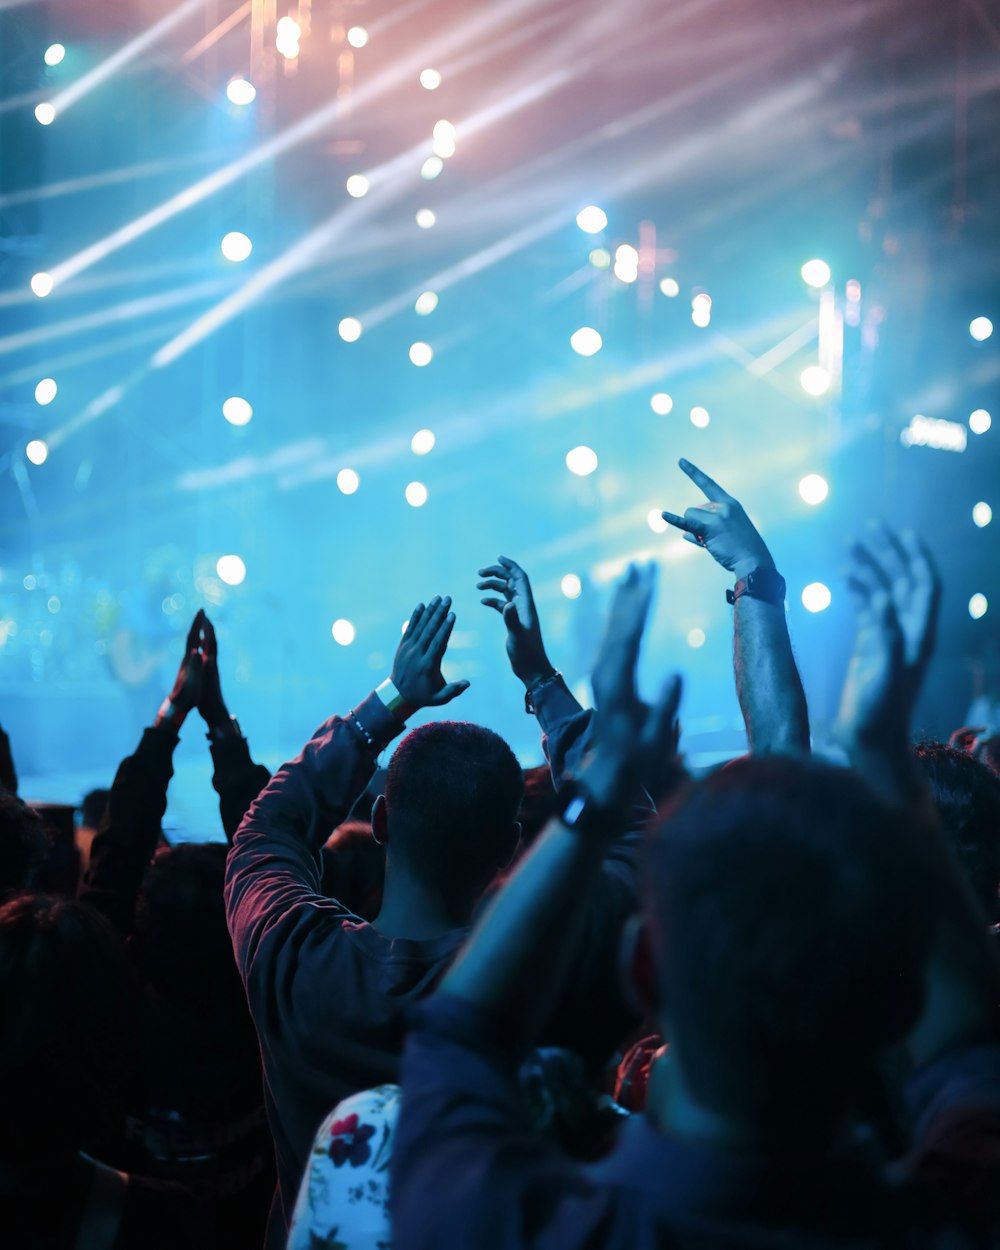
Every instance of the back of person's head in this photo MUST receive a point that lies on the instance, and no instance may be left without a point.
(790, 915)
(65, 1027)
(967, 796)
(23, 845)
(353, 868)
(181, 943)
(93, 807)
(452, 795)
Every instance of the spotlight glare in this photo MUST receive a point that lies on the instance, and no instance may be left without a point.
(427, 301)
(982, 515)
(980, 328)
(699, 417)
(581, 460)
(348, 481)
(661, 403)
(231, 570)
(816, 597)
(444, 139)
(55, 53)
(814, 380)
(241, 92)
(349, 329)
(816, 273)
(656, 522)
(626, 263)
(236, 246)
(978, 606)
(357, 186)
(237, 410)
(430, 79)
(701, 310)
(586, 341)
(670, 287)
(45, 113)
(571, 586)
(591, 219)
(357, 36)
(343, 632)
(696, 638)
(813, 489)
(37, 451)
(422, 442)
(416, 494)
(42, 284)
(421, 354)
(426, 218)
(431, 168)
(980, 421)
(45, 391)
(286, 37)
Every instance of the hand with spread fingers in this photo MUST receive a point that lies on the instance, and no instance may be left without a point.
(722, 527)
(516, 604)
(416, 670)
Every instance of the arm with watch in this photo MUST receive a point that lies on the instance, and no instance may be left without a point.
(273, 870)
(767, 679)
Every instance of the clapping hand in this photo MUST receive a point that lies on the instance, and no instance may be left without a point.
(525, 648)
(187, 685)
(416, 670)
(722, 527)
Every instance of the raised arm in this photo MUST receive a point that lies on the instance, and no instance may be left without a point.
(767, 680)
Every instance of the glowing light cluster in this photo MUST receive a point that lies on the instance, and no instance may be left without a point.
(701, 310)
(430, 79)
(45, 391)
(933, 432)
(286, 37)
(816, 273)
(241, 92)
(978, 606)
(421, 354)
(626, 263)
(45, 113)
(592, 219)
(426, 218)
(813, 489)
(349, 329)
(422, 442)
(981, 328)
(815, 380)
(55, 54)
(348, 481)
(586, 341)
(42, 284)
(982, 514)
(231, 570)
(416, 494)
(816, 597)
(357, 37)
(661, 403)
(357, 186)
(431, 168)
(236, 246)
(571, 586)
(581, 460)
(444, 139)
(699, 417)
(37, 451)
(343, 632)
(237, 410)
(670, 287)
(980, 421)
(425, 304)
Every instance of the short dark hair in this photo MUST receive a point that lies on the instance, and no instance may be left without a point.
(23, 845)
(967, 796)
(66, 1028)
(452, 795)
(791, 916)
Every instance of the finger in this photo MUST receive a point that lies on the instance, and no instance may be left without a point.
(895, 556)
(495, 570)
(865, 562)
(451, 691)
(511, 566)
(413, 623)
(437, 611)
(921, 561)
(437, 643)
(210, 647)
(659, 733)
(193, 632)
(495, 583)
(498, 604)
(678, 522)
(710, 488)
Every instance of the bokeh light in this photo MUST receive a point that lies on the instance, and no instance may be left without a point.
(816, 597)
(655, 521)
(430, 79)
(661, 403)
(357, 37)
(600, 258)
(349, 329)
(813, 489)
(237, 410)
(55, 54)
(626, 263)
(426, 218)
(699, 417)
(42, 284)
(981, 328)
(421, 354)
(45, 113)
(670, 287)
(586, 341)
(343, 632)
(287, 34)
(978, 606)
(37, 451)
(348, 481)
(592, 219)
(231, 570)
(581, 460)
(416, 494)
(422, 442)
(816, 273)
(241, 92)
(571, 586)
(444, 139)
(431, 168)
(815, 380)
(236, 246)
(45, 391)
(425, 304)
(356, 186)
(980, 421)
(696, 637)
(982, 514)
(701, 310)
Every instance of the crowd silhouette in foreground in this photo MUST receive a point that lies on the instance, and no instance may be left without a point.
(455, 1004)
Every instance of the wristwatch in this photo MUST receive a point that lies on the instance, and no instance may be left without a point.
(767, 585)
(579, 812)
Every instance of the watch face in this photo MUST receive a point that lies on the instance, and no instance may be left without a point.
(766, 584)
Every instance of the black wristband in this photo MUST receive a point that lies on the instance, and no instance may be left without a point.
(579, 811)
(767, 585)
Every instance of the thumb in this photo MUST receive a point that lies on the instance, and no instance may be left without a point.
(451, 691)
(511, 617)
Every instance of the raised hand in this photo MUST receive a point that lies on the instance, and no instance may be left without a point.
(525, 648)
(633, 745)
(211, 704)
(187, 685)
(722, 527)
(416, 670)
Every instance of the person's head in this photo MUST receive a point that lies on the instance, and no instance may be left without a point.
(790, 915)
(353, 868)
(539, 803)
(181, 944)
(23, 845)
(65, 1027)
(449, 814)
(967, 796)
(93, 807)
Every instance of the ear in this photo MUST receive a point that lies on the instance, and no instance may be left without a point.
(380, 821)
(636, 971)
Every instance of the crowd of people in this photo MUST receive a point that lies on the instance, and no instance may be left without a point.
(601, 1003)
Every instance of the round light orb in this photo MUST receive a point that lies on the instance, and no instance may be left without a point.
(699, 417)
(54, 604)
(237, 410)
(816, 273)
(416, 494)
(656, 522)
(600, 258)
(431, 168)
(421, 354)
(236, 246)
(701, 315)
(45, 113)
(586, 341)
(349, 329)
(231, 570)
(37, 451)
(443, 147)
(422, 442)
(240, 91)
(978, 606)
(343, 632)
(289, 48)
(813, 489)
(357, 186)
(430, 79)
(626, 254)
(980, 421)
(814, 380)
(348, 481)
(55, 54)
(581, 460)
(426, 218)
(426, 302)
(982, 515)
(816, 597)
(661, 403)
(980, 327)
(45, 391)
(591, 219)
(571, 586)
(696, 638)
(670, 287)
(357, 36)
(42, 284)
